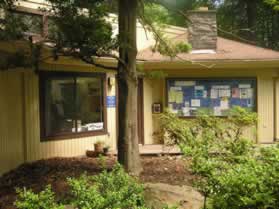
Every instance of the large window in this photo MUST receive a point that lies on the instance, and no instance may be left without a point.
(214, 96)
(71, 104)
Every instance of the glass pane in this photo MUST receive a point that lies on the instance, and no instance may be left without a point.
(89, 104)
(59, 106)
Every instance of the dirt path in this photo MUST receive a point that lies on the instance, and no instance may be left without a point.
(37, 175)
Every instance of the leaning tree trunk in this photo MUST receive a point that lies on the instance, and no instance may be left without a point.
(128, 146)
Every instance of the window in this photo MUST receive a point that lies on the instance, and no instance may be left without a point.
(71, 104)
(214, 96)
(32, 22)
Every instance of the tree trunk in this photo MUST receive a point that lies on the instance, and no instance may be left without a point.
(251, 8)
(128, 145)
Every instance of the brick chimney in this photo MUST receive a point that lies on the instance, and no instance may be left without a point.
(202, 29)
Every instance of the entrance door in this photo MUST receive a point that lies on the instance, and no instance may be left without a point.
(140, 112)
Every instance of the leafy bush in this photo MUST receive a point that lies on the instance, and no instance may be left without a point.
(242, 186)
(234, 174)
(29, 200)
(113, 190)
(108, 190)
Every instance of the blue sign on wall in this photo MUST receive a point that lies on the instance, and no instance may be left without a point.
(111, 101)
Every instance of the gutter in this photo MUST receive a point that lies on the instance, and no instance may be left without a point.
(210, 64)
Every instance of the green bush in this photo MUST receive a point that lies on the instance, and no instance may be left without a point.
(234, 174)
(242, 186)
(108, 190)
(112, 190)
(29, 200)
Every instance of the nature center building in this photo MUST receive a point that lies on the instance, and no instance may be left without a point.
(61, 110)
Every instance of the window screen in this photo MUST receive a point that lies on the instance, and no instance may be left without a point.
(214, 96)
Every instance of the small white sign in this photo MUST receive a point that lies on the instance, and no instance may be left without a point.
(185, 83)
(221, 87)
(186, 111)
(195, 103)
(244, 86)
(175, 88)
(214, 94)
(224, 105)
(199, 87)
(95, 126)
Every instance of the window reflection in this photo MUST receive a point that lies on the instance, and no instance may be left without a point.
(73, 105)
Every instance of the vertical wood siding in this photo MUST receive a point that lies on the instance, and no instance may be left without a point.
(265, 109)
(147, 109)
(276, 108)
(11, 118)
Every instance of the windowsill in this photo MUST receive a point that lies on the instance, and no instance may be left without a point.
(73, 136)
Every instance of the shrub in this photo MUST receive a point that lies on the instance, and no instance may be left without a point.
(113, 190)
(234, 175)
(242, 186)
(29, 200)
(108, 190)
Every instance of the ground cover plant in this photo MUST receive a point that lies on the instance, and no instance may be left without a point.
(113, 190)
(235, 174)
(56, 172)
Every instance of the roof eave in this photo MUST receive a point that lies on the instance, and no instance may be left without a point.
(211, 64)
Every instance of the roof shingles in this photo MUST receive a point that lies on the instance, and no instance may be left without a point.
(227, 50)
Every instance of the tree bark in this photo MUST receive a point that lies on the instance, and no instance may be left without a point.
(251, 10)
(128, 145)
(251, 13)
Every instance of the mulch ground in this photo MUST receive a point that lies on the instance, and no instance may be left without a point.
(37, 175)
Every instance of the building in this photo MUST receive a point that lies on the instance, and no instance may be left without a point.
(68, 105)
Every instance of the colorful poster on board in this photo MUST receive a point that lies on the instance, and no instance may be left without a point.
(212, 95)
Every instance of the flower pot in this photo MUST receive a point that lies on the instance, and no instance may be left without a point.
(91, 153)
(106, 150)
(99, 148)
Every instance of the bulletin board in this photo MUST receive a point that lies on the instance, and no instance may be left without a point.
(215, 96)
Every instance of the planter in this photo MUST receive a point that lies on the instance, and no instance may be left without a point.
(106, 150)
(99, 148)
(91, 153)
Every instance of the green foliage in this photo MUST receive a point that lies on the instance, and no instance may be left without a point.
(168, 47)
(234, 174)
(29, 200)
(108, 190)
(155, 18)
(11, 26)
(113, 190)
(178, 8)
(274, 3)
(242, 186)
(82, 26)
(250, 21)
(158, 14)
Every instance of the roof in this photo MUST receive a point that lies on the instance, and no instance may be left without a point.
(227, 50)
